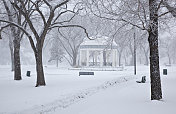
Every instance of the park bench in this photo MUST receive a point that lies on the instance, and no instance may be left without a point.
(143, 80)
(86, 73)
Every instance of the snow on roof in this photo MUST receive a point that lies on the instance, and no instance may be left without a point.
(99, 40)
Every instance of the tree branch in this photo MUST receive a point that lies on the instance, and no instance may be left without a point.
(133, 24)
(22, 29)
(1, 29)
(66, 26)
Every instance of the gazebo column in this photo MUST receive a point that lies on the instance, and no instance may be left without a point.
(87, 63)
(96, 57)
(101, 58)
(114, 58)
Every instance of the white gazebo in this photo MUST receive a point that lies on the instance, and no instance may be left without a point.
(100, 52)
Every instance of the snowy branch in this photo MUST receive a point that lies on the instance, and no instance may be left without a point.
(66, 26)
(21, 28)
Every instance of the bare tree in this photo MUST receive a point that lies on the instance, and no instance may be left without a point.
(17, 36)
(167, 45)
(2, 13)
(170, 8)
(49, 12)
(70, 40)
(144, 47)
(56, 52)
(121, 40)
(143, 15)
(156, 92)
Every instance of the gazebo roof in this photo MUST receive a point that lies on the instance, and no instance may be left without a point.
(98, 42)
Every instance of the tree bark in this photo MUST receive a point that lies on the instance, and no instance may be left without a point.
(146, 58)
(74, 61)
(146, 54)
(169, 58)
(39, 67)
(156, 93)
(17, 63)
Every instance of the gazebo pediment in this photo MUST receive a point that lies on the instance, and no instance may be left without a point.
(98, 46)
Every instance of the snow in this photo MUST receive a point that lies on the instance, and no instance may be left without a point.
(107, 92)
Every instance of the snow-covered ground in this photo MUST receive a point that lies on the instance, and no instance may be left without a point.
(107, 92)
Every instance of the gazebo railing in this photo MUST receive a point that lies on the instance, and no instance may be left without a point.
(107, 64)
(83, 63)
(94, 63)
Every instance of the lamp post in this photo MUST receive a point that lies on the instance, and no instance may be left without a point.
(134, 52)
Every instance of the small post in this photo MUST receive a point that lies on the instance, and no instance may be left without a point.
(28, 73)
(164, 71)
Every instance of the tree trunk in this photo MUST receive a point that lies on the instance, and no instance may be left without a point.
(12, 60)
(156, 93)
(125, 60)
(132, 56)
(132, 60)
(74, 61)
(169, 61)
(146, 58)
(57, 62)
(169, 58)
(39, 68)
(17, 64)
(11, 54)
(146, 51)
